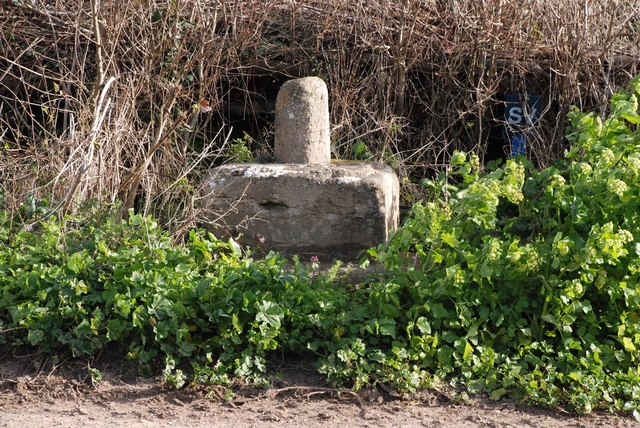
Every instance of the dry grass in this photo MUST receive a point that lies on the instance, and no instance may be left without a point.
(129, 101)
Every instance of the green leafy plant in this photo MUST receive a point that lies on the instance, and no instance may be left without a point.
(87, 283)
(516, 282)
(239, 150)
(360, 151)
(525, 282)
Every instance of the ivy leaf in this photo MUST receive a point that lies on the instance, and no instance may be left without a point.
(439, 311)
(76, 262)
(115, 329)
(186, 349)
(269, 313)
(35, 336)
(444, 356)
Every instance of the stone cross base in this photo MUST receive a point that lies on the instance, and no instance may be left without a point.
(326, 210)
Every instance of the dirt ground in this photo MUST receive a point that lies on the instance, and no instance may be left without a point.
(63, 395)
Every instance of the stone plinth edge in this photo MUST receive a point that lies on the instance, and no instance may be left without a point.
(327, 210)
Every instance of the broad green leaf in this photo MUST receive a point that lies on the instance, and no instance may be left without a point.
(423, 325)
(236, 323)
(439, 311)
(115, 329)
(35, 336)
(76, 262)
(497, 394)
(628, 345)
(550, 318)
(444, 356)
(270, 313)
(450, 240)
(377, 356)
(468, 351)
(387, 327)
(577, 376)
(183, 268)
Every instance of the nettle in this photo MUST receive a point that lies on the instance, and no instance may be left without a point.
(526, 282)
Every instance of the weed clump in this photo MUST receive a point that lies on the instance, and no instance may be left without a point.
(515, 282)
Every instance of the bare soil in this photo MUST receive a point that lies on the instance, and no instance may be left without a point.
(63, 395)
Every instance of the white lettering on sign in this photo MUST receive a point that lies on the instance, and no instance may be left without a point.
(517, 116)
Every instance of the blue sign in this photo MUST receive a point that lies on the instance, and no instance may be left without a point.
(518, 145)
(521, 111)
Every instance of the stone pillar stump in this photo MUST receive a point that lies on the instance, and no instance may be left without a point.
(302, 122)
(303, 204)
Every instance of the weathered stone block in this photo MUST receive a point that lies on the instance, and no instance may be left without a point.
(302, 122)
(331, 211)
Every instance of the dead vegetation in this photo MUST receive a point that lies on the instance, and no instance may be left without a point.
(108, 101)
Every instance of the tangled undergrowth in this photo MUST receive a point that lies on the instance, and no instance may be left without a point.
(134, 101)
(515, 282)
